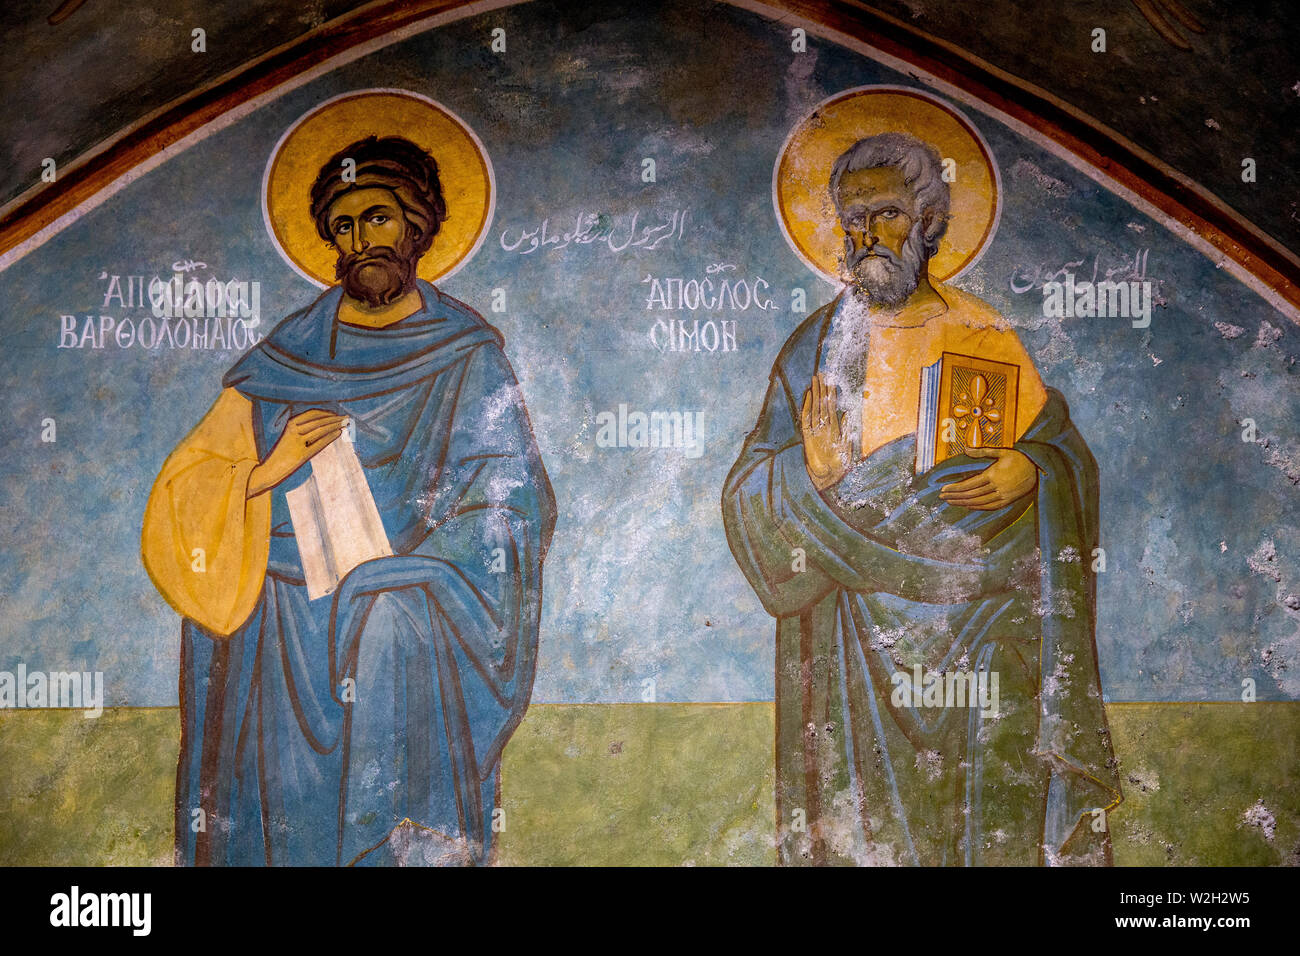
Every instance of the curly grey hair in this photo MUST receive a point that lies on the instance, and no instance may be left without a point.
(922, 171)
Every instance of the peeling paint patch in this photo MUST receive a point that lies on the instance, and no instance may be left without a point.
(1024, 169)
(1261, 817)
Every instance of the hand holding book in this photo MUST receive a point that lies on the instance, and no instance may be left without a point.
(1010, 477)
(968, 407)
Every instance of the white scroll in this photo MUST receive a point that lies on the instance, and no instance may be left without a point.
(335, 519)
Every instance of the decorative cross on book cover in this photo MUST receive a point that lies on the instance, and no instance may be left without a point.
(966, 402)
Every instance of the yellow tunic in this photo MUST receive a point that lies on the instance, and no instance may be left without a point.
(900, 346)
(204, 542)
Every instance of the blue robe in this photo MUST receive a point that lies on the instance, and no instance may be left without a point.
(893, 578)
(328, 732)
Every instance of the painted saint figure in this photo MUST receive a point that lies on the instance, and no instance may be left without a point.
(365, 726)
(881, 579)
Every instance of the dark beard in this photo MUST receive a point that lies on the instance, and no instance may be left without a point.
(377, 277)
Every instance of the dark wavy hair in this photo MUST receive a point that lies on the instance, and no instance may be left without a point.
(391, 163)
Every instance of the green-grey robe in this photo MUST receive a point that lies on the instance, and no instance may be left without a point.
(877, 576)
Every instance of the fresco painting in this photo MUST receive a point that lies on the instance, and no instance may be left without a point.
(680, 434)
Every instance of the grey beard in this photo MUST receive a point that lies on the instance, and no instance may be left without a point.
(844, 363)
(886, 280)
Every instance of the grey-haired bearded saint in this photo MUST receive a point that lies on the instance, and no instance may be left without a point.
(891, 589)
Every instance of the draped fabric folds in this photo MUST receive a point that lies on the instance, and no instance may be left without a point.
(365, 726)
(877, 577)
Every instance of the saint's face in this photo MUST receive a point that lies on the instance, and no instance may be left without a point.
(375, 245)
(366, 218)
(875, 207)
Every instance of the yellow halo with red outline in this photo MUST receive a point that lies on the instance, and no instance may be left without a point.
(801, 177)
(464, 170)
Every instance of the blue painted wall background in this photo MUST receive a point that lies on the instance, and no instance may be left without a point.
(1202, 531)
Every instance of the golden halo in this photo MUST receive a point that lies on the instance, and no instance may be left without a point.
(801, 178)
(468, 185)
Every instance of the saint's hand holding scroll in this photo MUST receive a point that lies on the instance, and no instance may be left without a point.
(365, 726)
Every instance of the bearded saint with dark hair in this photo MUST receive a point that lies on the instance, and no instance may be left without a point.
(364, 726)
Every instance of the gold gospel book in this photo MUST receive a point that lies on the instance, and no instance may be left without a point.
(966, 402)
